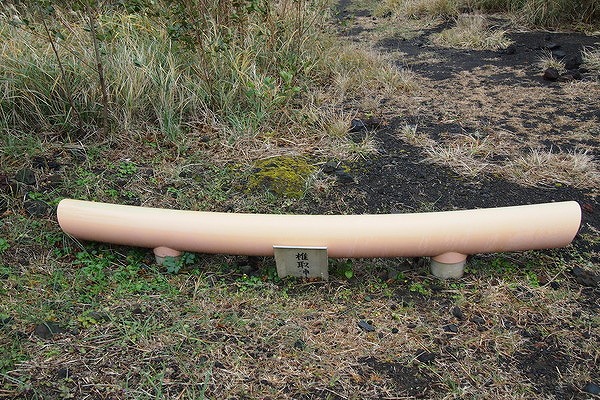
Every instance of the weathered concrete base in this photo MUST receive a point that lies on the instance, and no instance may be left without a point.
(448, 265)
(161, 253)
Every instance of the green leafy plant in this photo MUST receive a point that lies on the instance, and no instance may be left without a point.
(114, 193)
(343, 268)
(126, 168)
(175, 264)
(348, 273)
(92, 278)
(12, 353)
(532, 278)
(502, 266)
(86, 320)
(173, 192)
(421, 288)
(3, 245)
(246, 282)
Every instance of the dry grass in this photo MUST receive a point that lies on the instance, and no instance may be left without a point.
(496, 155)
(419, 8)
(468, 158)
(359, 71)
(542, 167)
(545, 12)
(412, 135)
(472, 32)
(536, 168)
(223, 335)
(547, 60)
(591, 59)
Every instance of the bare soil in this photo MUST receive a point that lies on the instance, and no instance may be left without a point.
(467, 91)
(463, 91)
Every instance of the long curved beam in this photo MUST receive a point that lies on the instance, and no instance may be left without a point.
(446, 236)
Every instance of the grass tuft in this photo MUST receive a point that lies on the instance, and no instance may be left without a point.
(547, 60)
(472, 32)
(472, 156)
(591, 59)
(545, 12)
(419, 8)
(538, 167)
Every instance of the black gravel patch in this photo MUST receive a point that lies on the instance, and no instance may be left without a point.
(544, 364)
(408, 380)
(525, 53)
(400, 180)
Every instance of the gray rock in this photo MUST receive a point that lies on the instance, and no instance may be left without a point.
(365, 326)
(26, 176)
(573, 62)
(246, 269)
(478, 320)
(330, 167)
(99, 316)
(457, 312)
(46, 330)
(36, 208)
(426, 357)
(344, 177)
(5, 321)
(45, 162)
(592, 388)
(585, 277)
(510, 50)
(63, 373)
(551, 74)
(357, 125)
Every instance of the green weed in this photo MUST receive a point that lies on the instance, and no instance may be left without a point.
(187, 63)
(126, 169)
(342, 268)
(175, 264)
(4, 245)
(420, 288)
(246, 282)
(12, 353)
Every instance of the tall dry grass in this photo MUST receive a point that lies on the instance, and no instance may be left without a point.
(545, 12)
(241, 70)
(247, 70)
(532, 12)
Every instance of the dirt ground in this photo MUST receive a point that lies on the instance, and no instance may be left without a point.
(466, 91)
(490, 93)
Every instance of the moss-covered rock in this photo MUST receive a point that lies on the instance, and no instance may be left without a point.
(285, 176)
